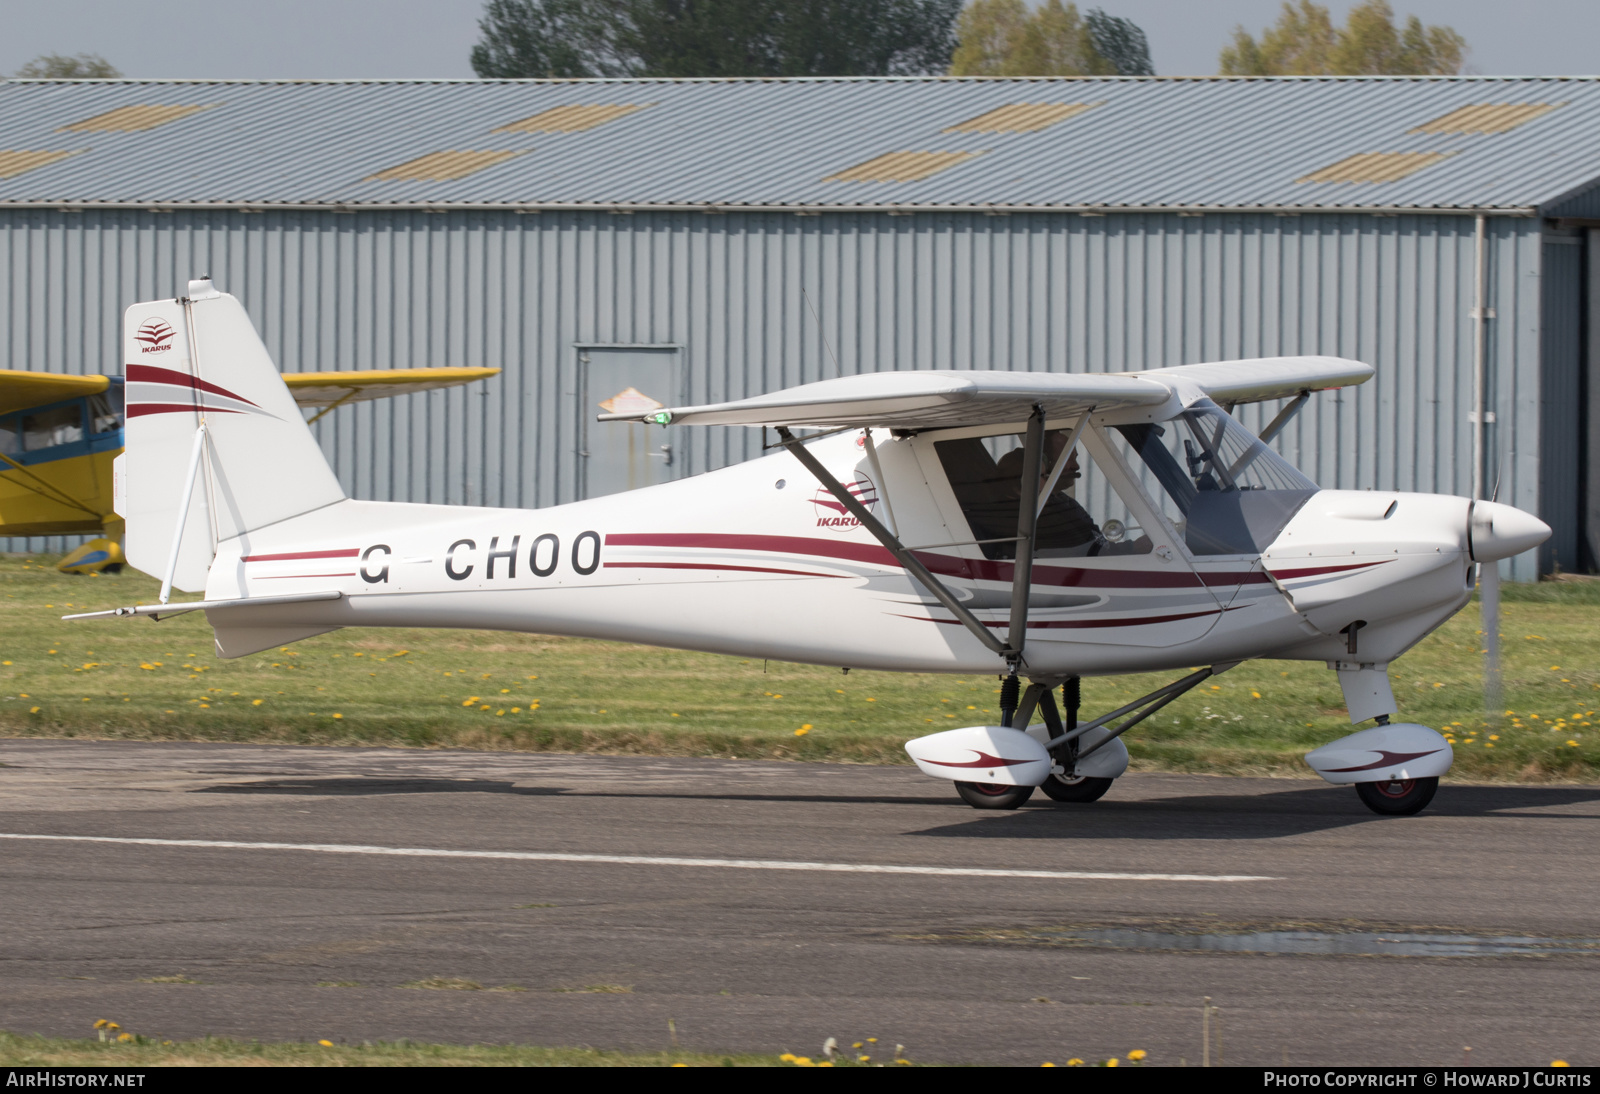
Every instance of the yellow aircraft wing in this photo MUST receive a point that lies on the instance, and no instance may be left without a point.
(330, 389)
(21, 390)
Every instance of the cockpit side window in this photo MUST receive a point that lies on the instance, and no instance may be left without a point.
(985, 474)
(1227, 493)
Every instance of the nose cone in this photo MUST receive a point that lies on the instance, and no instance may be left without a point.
(1498, 531)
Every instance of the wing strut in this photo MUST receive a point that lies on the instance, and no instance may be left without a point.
(1027, 520)
(1275, 426)
(890, 541)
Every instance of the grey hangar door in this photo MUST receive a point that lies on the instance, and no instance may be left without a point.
(618, 456)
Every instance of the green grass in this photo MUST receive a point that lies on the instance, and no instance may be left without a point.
(134, 679)
(24, 1051)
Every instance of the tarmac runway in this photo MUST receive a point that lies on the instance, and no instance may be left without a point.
(763, 907)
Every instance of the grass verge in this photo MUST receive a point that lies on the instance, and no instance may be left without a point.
(133, 679)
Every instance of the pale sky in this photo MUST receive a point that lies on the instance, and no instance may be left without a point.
(431, 38)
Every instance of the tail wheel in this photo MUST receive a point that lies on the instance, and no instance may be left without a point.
(993, 795)
(1084, 788)
(1398, 797)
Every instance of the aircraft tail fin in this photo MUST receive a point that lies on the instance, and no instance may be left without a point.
(213, 437)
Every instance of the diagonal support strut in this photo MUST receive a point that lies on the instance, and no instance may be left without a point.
(892, 543)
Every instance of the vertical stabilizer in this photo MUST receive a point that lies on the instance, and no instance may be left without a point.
(195, 361)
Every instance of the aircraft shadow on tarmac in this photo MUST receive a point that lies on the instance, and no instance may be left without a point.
(1267, 815)
(360, 786)
(1257, 816)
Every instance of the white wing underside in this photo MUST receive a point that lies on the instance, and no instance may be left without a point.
(949, 398)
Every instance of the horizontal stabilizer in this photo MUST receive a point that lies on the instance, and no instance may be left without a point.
(162, 610)
(329, 389)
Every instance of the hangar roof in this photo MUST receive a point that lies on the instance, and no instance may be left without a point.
(1361, 143)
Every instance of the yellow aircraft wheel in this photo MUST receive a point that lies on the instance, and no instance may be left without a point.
(94, 557)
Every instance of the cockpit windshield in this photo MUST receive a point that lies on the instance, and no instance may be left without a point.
(1231, 493)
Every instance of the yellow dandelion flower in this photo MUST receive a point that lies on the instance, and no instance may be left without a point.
(124, 1036)
(1074, 1062)
(802, 731)
(1255, 695)
(1113, 1062)
(329, 1044)
(338, 715)
(1559, 1063)
(255, 702)
(1137, 1054)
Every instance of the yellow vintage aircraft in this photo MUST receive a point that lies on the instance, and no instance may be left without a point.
(59, 434)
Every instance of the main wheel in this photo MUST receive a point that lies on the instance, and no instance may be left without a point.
(1398, 797)
(1083, 788)
(993, 795)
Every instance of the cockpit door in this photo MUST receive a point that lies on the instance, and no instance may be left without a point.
(1108, 568)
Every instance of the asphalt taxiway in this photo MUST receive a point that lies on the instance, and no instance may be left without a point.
(284, 893)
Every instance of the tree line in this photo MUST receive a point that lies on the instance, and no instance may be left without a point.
(753, 38)
(764, 38)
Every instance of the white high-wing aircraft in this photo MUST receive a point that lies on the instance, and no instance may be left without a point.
(1044, 526)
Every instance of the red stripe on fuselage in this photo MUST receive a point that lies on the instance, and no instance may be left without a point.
(973, 569)
(1317, 571)
(155, 374)
(288, 577)
(350, 553)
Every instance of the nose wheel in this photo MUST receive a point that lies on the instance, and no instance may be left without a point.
(1398, 797)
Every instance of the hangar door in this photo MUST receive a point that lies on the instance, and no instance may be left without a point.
(618, 456)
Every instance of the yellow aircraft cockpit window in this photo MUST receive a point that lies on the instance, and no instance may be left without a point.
(105, 411)
(56, 426)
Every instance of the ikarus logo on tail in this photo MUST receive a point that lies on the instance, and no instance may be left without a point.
(156, 334)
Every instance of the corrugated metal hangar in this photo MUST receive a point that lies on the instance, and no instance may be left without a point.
(704, 240)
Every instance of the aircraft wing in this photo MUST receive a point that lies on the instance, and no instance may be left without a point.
(327, 389)
(20, 390)
(948, 398)
(919, 400)
(1263, 378)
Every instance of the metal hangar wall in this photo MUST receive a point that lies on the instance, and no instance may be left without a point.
(712, 300)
